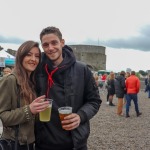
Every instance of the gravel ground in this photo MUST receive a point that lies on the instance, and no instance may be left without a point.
(112, 132)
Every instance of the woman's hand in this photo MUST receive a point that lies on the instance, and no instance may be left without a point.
(38, 105)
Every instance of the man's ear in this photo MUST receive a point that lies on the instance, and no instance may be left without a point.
(62, 42)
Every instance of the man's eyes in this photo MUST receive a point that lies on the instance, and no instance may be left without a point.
(45, 44)
(52, 43)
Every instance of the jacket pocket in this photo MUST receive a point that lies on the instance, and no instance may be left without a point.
(81, 134)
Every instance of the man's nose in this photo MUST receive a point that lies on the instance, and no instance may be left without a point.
(50, 46)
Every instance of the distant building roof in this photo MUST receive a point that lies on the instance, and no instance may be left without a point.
(4, 54)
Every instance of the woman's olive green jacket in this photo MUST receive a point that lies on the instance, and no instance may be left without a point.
(10, 115)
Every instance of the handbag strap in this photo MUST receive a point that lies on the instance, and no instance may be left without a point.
(17, 126)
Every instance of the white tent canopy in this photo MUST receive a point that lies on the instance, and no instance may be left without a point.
(4, 54)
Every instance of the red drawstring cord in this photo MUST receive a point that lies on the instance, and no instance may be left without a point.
(50, 79)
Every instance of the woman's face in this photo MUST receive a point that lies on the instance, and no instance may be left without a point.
(31, 60)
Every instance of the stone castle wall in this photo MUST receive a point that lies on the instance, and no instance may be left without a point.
(94, 56)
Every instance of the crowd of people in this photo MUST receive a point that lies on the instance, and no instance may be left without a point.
(125, 86)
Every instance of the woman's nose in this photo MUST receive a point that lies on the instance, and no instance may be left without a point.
(33, 57)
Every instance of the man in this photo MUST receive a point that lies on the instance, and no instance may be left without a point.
(120, 91)
(147, 83)
(133, 87)
(69, 83)
(6, 71)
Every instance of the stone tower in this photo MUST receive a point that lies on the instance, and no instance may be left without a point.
(94, 56)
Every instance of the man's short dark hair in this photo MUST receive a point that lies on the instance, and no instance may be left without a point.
(49, 30)
(122, 73)
(132, 72)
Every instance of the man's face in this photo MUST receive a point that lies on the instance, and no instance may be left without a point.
(52, 47)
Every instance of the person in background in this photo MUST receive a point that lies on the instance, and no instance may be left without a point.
(147, 84)
(19, 87)
(6, 71)
(96, 78)
(125, 99)
(99, 77)
(111, 88)
(127, 75)
(120, 91)
(106, 86)
(69, 83)
(104, 76)
(133, 87)
(101, 83)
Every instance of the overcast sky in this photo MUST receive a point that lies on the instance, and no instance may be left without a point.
(122, 26)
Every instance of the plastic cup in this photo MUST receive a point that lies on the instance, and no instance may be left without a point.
(64, 111)
(45, 115)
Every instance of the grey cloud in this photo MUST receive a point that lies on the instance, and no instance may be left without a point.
(13, 40)
(140, 42)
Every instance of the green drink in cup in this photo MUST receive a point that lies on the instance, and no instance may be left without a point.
(45, 115)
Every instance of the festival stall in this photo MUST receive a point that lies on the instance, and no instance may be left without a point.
(6, 60)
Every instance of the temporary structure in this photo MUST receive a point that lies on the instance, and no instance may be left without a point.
(4, 54)
(9, 59)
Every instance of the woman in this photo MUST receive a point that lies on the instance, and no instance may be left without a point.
(111, 88)
(96, 78)
(20, 86)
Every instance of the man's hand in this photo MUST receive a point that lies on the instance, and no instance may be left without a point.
(71, 121)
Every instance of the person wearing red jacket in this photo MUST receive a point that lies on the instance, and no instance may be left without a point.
(104, 77)
(133, 87)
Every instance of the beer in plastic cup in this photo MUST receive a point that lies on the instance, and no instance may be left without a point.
(45, 115)
(64, 111)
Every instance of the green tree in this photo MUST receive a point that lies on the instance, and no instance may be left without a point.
(143, 73)
(138, 74)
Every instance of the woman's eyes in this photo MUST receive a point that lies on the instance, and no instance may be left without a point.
(29, 54)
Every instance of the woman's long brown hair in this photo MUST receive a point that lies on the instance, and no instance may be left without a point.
(27, 84)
